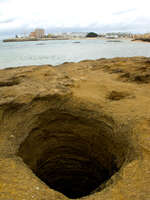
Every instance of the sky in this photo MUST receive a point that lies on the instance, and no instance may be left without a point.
(23, 16)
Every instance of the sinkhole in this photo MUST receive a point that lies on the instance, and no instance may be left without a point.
(72, 155)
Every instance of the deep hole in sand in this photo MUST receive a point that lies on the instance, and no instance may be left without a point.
(72, 155)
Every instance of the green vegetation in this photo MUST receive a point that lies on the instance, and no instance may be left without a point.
(50, 35)
(92, 34)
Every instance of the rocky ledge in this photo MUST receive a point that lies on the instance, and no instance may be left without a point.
(76, 130)
(142, 39)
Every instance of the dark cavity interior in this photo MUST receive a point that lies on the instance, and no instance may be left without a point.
(71, 154)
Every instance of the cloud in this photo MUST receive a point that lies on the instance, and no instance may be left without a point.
(7, 21)
(124, 11)
(25, 15)
(134, 26)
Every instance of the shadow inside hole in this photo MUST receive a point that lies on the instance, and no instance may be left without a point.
(75, 178)
(74, 156)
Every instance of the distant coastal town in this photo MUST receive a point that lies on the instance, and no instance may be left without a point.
(40, 35)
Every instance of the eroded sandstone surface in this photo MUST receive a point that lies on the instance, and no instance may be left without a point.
(77, 130)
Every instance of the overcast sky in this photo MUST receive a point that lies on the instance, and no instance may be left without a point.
(19, 16)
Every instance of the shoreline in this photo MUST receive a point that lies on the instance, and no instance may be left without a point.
(59, 38)
(31, 39)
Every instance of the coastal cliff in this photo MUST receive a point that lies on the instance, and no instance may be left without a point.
(76, 130)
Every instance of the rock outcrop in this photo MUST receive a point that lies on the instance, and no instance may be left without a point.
(76, 130)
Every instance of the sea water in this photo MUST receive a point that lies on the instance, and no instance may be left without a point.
(55, 52)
